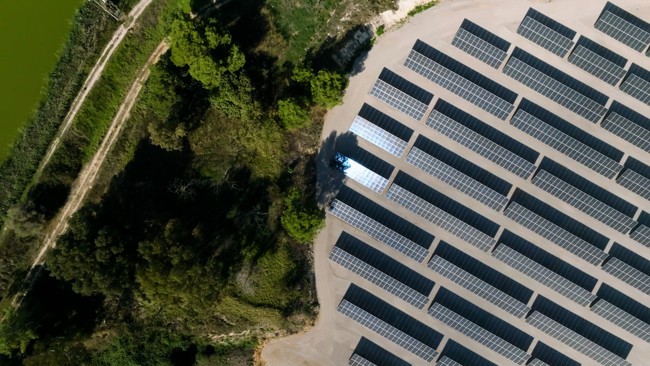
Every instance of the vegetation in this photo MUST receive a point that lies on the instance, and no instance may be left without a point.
(200, 225)
(420, 8)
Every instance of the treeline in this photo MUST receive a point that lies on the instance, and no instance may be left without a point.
(204, 229)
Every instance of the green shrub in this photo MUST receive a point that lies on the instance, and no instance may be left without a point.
(301, 219)
(292, 115)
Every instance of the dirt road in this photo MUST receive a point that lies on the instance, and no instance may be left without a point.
(92, 78)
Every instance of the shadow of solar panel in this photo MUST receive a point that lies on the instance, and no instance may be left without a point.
(623, 311)
(481, 280)
(629, 125)
(443, 211)
(393, 324)
(567, 139)
(545, 268)
(461, 80)
(459, 173)
(480, 325)
(629, 267)
(636, 178)
(482, 44)
(585, 196)
(546, 32)
(462, 356)
(551, 356)
(598, 61)
(624, 27)
(637, 83)
(376, 354)
(588, 330)
(384, 263)
(556, 85)
(401, 94)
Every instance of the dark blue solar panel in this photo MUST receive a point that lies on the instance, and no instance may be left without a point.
(571, 130)
(560, 76)
(466, 72)
(551, 356)
(385, 122)
(482, 318)
(447, 204)
(547, 260)
(631, 258)
(588, 187)
(626, 16)
(485, 35)
(558, 218)
(367, 159)
(637, 166)
(639, 71)
(385, 217)
(630, 114)
(603, 52)
(644, 219)
(556, 26)
(398, 319)
(465, 166)
(484, 272)
(579, 325)
(486, 131)
(622, 301)
(405, 86)
(463, 355)
(377, 355)
(385, 263)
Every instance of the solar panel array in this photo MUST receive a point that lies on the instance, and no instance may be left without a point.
(378, 231)
(637, 86)
(378, 136)
(366, 177)
(478, 286)
(398, 99)
(623, 27)
(368, 351)
(627, 130)
(628, 274)
(386, 330)
(456, 83)
(575, 340)
(477, 333)
(481, 44)
(564, 143)
(635, 182)
(533, 29)
(440, 218)
(623, 319)
(357, 360)
(584, 202)
(592, 58)
(543, 275)
(641, 235)
(556, 85)
(555, 234)
(446, 361)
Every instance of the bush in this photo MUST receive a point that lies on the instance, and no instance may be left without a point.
(327, 88)
(292, 115)
(301, 219)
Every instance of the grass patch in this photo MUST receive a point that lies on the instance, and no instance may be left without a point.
(380, 30)
(420, 8)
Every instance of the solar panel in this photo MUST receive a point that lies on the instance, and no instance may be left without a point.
(622, 319)
(480, 144)
(358, 172)
(628, 274)
(378, 136)
(545, 355)
(446, 361)
(371, 352)
(637, 84)
(532, 27)
(398, 99)
(378, 231)
(598, 61)
(575, 340)
(377, 277)
(641, 235)
(564, 143)
(537, 362)
(477, 333)
(624, 27)
(629, 125)
(456, 354)
(456, 179)
(556, 85)
(437, 67)
(388, 331)
(635, 182)
(439, 217)
(357, 360)
(481, 44)
(584, 202)
(478, 286)
(555, 234)
(543, 275)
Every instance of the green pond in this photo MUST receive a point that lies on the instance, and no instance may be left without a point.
(31, 35)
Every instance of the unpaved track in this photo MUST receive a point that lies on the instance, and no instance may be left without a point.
(88, 175)
(92, 78)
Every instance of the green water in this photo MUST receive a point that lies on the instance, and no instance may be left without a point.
(31, 34)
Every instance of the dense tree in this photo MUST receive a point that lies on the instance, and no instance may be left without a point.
(301, 218)
(327, 88)
(292, 115)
